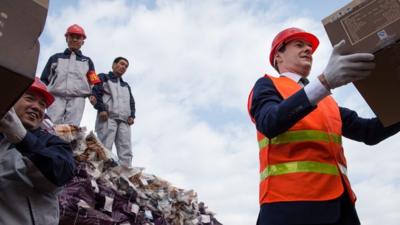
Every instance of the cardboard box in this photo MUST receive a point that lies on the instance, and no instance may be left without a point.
(21, 23)
(373, 26)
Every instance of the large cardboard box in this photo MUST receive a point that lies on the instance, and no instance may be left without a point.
(21, 23)
(373, 26)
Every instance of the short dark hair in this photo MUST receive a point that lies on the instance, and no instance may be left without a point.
(119, 58)
(280, 49)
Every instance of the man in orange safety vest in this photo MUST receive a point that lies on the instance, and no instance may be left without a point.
(303, 170)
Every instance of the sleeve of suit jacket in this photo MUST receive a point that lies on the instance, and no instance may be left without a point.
(271, 113)
(370, 131)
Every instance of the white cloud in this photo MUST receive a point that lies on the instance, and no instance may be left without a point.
(192, 66)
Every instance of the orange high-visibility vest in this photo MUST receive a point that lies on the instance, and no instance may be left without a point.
(305, 163)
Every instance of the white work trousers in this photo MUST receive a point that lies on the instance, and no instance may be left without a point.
(117, 131)
(67, 110)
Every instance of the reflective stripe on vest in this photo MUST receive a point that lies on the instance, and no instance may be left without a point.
(302, 167)
(299, 136)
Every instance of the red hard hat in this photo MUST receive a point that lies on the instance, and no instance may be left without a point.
(39, 87)
(290, 34)
(75, 29)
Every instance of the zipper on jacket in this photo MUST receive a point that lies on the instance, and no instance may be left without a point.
(30, 211)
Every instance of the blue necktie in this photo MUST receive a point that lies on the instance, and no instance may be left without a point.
(304, 81)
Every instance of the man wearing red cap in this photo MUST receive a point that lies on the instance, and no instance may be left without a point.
(69, 76)
(303, 170)
(34, 164)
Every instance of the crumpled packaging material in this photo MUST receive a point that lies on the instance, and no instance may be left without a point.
(105, 193)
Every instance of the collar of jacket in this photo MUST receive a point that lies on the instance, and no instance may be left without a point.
(114, 78)
(68, 52)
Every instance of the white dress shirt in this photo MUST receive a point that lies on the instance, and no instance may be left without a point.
(315, 91)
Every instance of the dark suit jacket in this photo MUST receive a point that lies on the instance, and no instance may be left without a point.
(273, 116)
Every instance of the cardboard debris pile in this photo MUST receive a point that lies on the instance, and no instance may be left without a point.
(105, 193)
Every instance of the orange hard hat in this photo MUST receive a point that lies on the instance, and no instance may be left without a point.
(39, 87)
(76, 29)
(290, 34)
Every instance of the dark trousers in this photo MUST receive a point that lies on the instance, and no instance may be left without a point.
(339, 211)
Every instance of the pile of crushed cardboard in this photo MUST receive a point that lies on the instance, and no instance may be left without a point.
(105, 193)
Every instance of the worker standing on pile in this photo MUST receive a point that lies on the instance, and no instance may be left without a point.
(303, 171)
(69, 76)
(116, 111)
(34, 164)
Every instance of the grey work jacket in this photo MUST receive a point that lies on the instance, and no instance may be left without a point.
(65, 74)
(26, 196)
(117, 100)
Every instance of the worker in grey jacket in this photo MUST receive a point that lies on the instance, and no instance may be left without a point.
(116, 111)
(34, 164)
(69, 76)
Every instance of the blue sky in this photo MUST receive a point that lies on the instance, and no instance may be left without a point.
(193, 64)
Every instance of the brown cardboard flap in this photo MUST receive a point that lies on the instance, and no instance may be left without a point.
(21, 23)
(373, 26)
(12, 86)
(367, 26)
(43, 3)
(381, 89)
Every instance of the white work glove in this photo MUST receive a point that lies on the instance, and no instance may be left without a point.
(12, 127)
(343, 69)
